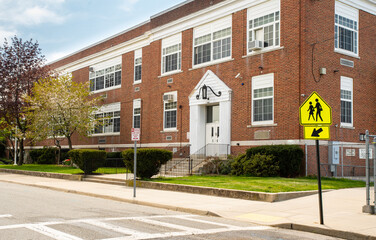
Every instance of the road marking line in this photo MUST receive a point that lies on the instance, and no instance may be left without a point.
(164, 224)
(118, 229)
(197, 232)
(5, 216)
(47, 231)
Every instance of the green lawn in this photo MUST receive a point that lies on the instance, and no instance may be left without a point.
(271, 185)
(61, 169)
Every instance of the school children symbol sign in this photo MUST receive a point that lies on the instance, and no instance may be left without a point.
(316, 117)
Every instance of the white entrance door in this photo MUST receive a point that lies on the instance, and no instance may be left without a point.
(212, 130)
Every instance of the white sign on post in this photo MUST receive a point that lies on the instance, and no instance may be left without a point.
(135, 134)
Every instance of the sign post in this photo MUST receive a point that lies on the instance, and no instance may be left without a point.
(135, 138)
(316, 117)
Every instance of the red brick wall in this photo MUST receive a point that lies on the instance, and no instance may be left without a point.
(304, 25)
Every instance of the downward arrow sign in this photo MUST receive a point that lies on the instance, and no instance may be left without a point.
(316, 132)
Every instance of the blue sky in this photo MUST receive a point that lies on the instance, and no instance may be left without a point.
(65, 26)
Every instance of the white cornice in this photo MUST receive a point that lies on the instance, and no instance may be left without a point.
(206, 15)
(364, 5)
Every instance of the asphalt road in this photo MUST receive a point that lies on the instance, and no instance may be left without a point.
(34, 213)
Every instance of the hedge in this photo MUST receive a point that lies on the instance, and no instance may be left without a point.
(46, 155)
(88, 160)
(149, 161)
(283, 161)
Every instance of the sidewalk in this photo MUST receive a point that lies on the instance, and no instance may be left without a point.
(343, 215)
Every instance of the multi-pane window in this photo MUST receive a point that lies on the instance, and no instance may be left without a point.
(212, 41)
(346, 101)
(107, 122)
(170, 111)
(346, 34)
(171, 58)
(265, 29)
(262, 99)
(137, 66)
(137, 113)
(105, 78)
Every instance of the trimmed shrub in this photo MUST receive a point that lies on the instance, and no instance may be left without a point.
(287, 157)
(237, 164)
(88, 160)
(47, 155)
(261, 166)
(225, 167)
(149, 161)
(114, 155)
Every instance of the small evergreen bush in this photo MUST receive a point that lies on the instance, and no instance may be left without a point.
(237, 165)
(88, 160)
(261, 166)
(287, 157)
(46, 155)
(149, 161)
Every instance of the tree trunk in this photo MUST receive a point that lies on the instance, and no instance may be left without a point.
(70, 148)
(21, 158)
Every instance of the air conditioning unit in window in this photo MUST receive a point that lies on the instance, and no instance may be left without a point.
(255, 45)
(168, 98)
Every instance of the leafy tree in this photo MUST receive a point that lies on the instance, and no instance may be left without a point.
(21, 64)
(59, 107)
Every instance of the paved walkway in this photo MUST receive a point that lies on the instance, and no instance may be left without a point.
(342, 208)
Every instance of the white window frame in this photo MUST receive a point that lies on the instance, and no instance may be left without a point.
(346, 18)
(171, 46)
(110, 70)
(262, 82)
(205, 34)
(136, 105)
(166, 129)
(347, 85)
(113, 109)
(137, 64)
(262, 11)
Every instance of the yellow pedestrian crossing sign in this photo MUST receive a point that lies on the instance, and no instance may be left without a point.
(315, 111)
(316, 132)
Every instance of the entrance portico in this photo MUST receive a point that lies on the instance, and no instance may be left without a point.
(210, 115)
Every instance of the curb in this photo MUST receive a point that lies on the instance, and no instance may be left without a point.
(133, 201)
(44, 174)
(325, 231)
(229, 193)
(292, 226)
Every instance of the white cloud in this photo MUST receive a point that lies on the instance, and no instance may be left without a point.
(31, 12)
(57, 55)
(127, 5)
(6, 34)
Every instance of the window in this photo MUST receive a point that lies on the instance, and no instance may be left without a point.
(262, 99)
(346, 29)
(137, 66)
(171, 58)
(170, 110)
(212, 41)
(346, 34)
(171, 54)
(105, 78)
(346, 101)
(137, 113)
(264, 29)
(107, 120)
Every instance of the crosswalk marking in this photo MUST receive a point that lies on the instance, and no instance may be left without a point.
(52, 232)
(130, 234)
(5, 216)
